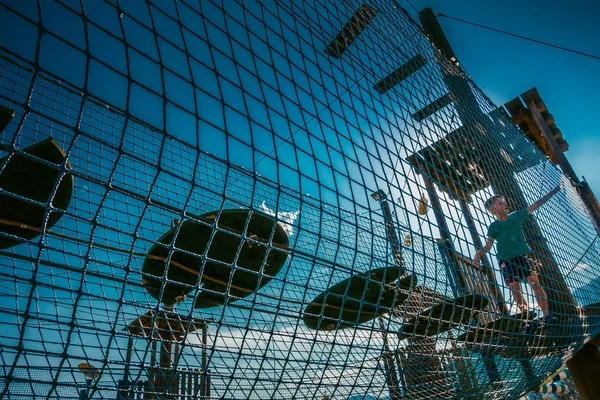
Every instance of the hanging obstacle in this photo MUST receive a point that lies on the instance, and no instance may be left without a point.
(224, 274)
(407, 69)
(32, 179)
(358, 299)
(6, 114)
(89, 370)
(502, 327)
(504, 336)
(520, 335)
(444, 316)
(555, 337)
(423, 205)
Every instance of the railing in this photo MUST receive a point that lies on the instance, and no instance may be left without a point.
(178, 384)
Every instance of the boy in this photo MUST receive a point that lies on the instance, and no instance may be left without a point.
(512, 249)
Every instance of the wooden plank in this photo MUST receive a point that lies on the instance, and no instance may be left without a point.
(549, 118)
(433, 107)
(451, 163)
(532, 95)
(6, 114)
(514, 106)
(423, 373)
(407, 69)
(457, 176)
(357, 23)
(564, 146)
(457, 183)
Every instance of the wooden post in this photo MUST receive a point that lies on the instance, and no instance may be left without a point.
(196, 383)
(585, 369)
(465, 102)
(150, 390)
(205, 389)
(391, 375)
(457, 283)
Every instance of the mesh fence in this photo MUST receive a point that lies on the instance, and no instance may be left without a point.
(267, 200)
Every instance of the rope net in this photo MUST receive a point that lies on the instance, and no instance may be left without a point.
(267, 200)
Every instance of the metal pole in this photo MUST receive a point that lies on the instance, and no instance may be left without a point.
(391, 374)
(391, 233)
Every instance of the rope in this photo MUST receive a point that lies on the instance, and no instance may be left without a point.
(169, 110)
(521, 37)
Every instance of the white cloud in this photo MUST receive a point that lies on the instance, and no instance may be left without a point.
(286, 217)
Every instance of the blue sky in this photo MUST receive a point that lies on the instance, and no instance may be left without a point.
(505, 67)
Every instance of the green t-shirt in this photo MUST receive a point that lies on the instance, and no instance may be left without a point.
(509, 235)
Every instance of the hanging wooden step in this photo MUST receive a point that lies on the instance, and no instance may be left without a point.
(444, 316)
(358, 299)
(433, 107)
(357, 23)
(226, 263)
(29, 178)
(407, 69)
(6, 114)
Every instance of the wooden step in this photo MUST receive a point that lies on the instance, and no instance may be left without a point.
(357, 23)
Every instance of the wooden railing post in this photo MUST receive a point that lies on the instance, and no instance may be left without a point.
(585, 370)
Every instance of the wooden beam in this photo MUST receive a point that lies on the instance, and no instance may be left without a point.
(433, 107)
(407, 69)
(357, 23)
(585, 369)
(436, 34)
(515, 106)
(532, 95)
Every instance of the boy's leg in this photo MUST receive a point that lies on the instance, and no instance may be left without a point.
(515, 288)
(509, 273)
(539, 292)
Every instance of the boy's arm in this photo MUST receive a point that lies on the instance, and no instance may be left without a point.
(488, 245)
(544, 199)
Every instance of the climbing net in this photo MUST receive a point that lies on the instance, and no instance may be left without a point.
(267, 200)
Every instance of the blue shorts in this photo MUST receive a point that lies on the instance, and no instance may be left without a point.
(515, 269)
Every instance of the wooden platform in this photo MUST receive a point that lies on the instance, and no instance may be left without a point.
(164, 325)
